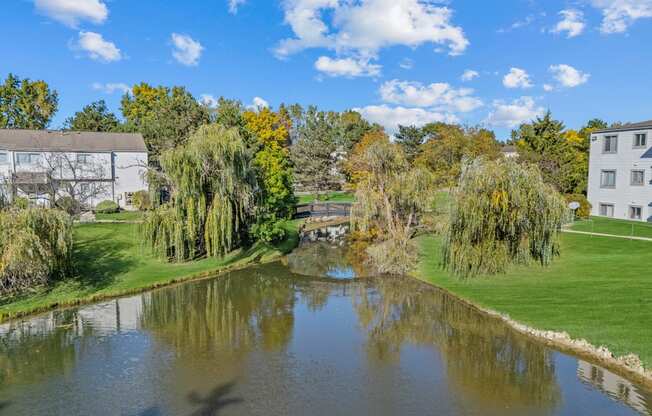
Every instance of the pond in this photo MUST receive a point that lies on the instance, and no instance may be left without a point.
(271, 341)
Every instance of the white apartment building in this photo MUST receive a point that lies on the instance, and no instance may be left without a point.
(45, 165)
(620, 172)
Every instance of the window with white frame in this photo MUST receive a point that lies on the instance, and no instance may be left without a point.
(607, 210)
(635, 212)
(608, 179)
(640, 140)
(4, 158)
(83, 158)
(610, 144)
(638, 177)
(28, 158)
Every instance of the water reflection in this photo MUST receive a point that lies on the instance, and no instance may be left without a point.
(267, 341)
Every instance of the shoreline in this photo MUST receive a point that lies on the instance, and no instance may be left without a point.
(628, 366)
(209, 274)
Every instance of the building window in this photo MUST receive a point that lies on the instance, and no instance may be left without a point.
(606, 210)
(610, 144)
(608, 179)
(28, 158)
(640, 140)
(638, 178)
(83, 158)
(129, 198)
(635, 213)
(4, 158)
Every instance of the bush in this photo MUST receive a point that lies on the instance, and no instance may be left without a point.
(141, 201)
(21, 202)
(35, 247)
(107, 207)
(584, 211)
(68, 204)
(269, 231)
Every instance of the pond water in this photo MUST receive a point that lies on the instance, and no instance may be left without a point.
(269, 341)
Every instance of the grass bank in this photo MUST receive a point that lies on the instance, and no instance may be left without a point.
(110, 261)
(612, 226)
(600, 289)
(329, 197)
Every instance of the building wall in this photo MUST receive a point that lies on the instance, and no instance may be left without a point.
(113, 173)
(626, 159)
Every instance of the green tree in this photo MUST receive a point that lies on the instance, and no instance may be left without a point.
(502, 213)
(213, 196)
(410, 138)
(26, 104)
(315, 152)
(166, 117)
(93, 117)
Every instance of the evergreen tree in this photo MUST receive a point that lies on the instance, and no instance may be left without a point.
(93, 117)
(410, 138)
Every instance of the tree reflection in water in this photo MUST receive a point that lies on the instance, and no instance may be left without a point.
(484, 358)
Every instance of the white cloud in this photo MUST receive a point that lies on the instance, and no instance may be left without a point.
(391, 117)
(257, 104)
(187, 51)
(98, 48)
(437, 96)
(363, 28)
(572, 23)
(234, 5)
(515, 113)
(619, 15)
(548, 87)
(71, 12)
(469, 75)
(112, 87)
(568, 76)
(406, 63)
(517, 78)
(347, 67)
(208, 100)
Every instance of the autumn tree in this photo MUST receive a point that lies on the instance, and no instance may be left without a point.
(26, 104)
(390, 200)
(93, 117)
(272, 162)
(355, 167)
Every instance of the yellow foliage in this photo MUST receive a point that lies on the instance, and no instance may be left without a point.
(355, 167)
(270, 128)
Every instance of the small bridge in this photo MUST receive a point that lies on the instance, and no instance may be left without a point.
(323, 209)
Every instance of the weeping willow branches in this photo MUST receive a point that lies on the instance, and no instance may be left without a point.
(213, 188)
(502, 213)
(35, 246)
(390, 199)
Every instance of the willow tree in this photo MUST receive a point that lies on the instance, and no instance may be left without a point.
(502, 213)
(212, 196)
(391, 198)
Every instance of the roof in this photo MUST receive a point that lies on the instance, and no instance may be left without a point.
(70, 141)
(629, 126)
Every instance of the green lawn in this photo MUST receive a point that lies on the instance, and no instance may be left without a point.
(599, 289)
(110, 261)
(615, 227)
(330, 197)
(121, 216)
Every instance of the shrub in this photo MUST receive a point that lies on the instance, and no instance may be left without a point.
(21, 202)
(584, 211)
(68, 204)
(107, 207)
(35, 247)
(269, 231)
(141, 201)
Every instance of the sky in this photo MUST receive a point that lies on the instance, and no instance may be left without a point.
(491, 63)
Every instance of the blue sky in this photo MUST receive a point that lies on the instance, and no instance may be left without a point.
(397, 61)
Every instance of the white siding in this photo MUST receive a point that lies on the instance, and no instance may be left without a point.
(130, 170)
(626, 159)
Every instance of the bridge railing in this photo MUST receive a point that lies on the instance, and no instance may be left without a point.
(323, 209)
